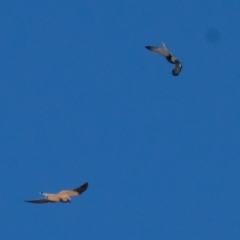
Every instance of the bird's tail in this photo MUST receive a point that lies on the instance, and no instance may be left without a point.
(45, 194)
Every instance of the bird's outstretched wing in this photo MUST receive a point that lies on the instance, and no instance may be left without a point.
(44, 200)
(76, 191)
(177, 69)
(159, 50)
(81, 189)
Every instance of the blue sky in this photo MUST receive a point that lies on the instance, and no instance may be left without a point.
(82, 100)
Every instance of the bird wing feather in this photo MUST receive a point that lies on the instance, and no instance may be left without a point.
(76, 191)
(159, 50)
(177, 69)
(44, 200)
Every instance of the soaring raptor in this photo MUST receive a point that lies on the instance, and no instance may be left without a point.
(169, 56)
(64, 196)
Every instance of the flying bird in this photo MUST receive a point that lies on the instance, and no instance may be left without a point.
(169, 56)
(64, 196)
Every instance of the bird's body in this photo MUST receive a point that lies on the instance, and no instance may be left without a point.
(63, 196)
(163, 51)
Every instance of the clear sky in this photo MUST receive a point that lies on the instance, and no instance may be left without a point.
(82, 100)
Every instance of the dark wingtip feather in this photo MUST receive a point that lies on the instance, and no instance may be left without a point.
(29, 201)
(174, 74)
(82, 188)
(40, 201)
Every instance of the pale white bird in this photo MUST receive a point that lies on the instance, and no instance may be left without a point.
(64, 196)
(169, 56)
